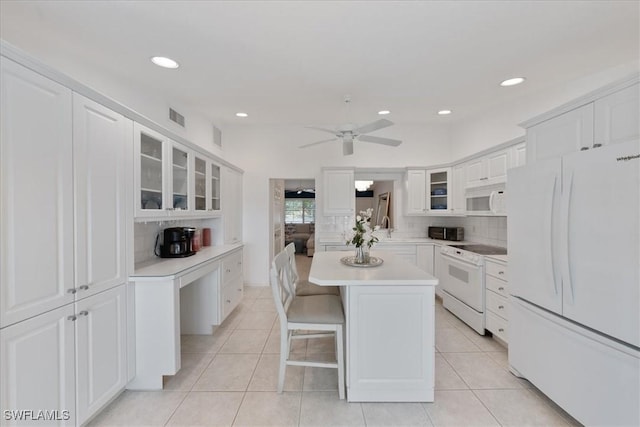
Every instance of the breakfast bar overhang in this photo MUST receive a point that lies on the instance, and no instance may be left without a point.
(390, 326)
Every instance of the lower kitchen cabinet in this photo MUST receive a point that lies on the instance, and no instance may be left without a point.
(232, 287)
(70, 361)
(424, 258)
(497, 303)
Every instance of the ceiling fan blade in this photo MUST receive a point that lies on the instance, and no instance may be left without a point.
(347, 147)
(379, 140)
(378, 124)
(318, 142)
(323, 129)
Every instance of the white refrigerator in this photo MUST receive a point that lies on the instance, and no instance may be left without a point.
(574, 281)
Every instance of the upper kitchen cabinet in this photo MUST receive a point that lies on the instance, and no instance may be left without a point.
(150, 172)
(36, 195)
(339, 192)
(489, 169)
(429, 191)
(607, 116)
(232, 205)
(458, 202)
(518, 155)
(617, 116)
(173, 180)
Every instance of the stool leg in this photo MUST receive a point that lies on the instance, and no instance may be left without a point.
(285, 337)
(340, 359)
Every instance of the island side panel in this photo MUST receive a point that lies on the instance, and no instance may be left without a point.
(391, 354)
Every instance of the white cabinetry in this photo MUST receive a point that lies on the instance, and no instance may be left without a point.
(607, 119)
(339, 192)
(429, 191)
(424, 258)
(232, 205)
(458, 203)
(150, 174)
(518, 155)
(489, 169)
(497, 303)
(73, 166)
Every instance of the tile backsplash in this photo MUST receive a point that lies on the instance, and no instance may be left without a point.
(488, 230)
(145, 234)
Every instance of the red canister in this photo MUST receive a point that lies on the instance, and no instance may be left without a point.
(206, 237)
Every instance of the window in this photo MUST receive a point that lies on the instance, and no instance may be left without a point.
(299, 211)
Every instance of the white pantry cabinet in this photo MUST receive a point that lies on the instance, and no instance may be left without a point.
(36, 154)
(339, 192)
(73, 166)
(42, 354)
(232, 205)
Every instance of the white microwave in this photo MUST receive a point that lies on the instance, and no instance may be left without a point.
(486, 201)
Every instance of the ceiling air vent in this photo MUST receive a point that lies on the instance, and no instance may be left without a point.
(176, 117)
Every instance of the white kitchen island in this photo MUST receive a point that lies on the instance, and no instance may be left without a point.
(390, 326)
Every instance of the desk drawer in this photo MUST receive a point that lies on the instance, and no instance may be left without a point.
(231, 296)
(231, 267)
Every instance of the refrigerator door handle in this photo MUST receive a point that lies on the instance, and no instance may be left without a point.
(566, 258)
(550, 253)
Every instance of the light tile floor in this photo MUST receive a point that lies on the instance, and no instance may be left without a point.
(229, 378)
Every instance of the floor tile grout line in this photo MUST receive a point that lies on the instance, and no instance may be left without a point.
(176, 408)
(486, 407)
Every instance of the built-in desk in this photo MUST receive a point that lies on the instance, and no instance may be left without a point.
(181, 295)
(390, 326)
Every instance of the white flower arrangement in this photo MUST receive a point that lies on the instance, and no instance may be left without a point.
(362, 232)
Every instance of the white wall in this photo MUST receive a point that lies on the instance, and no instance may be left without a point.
(272, 152)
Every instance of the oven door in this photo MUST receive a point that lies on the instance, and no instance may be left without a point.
(463, 280)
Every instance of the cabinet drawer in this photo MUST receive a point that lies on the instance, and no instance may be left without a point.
(499, 305)
(496, 285)
(497, 325)
(231, 267)
(231, 296)
(496, 269)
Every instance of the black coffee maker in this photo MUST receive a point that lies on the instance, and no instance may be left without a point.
(177, 242)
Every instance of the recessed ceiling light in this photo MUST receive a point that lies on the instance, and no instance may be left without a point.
(444, 112)
(164, 62)
(242, 114)
(384, 112)
(512, 82)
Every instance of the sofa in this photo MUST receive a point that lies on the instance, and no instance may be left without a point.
(302, 236)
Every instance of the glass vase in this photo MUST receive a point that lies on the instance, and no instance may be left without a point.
(362, 255)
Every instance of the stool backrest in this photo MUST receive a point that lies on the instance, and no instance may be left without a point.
(283, 291)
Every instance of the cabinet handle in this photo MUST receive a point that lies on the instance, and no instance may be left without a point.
(83, 313)
(229, 301)
(485, 178)
(501, 288)
(170, 209)
(501, 307)
(72, 291)
(500, 272)
(597, 145)
(84, 288)
(239, 289)
(72, 318)
(584, 148)
(501, 330)
(228, 270)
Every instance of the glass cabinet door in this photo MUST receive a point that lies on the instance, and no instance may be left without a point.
(215, 188)
(200, 179)
(180, 170)
(439, 191)
(151, 172)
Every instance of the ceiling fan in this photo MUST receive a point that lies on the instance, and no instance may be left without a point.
(349, 133)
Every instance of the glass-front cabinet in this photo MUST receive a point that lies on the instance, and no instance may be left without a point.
(173, 180)
(151, 148)
(179, 178)
(214, 199)
(200, 181)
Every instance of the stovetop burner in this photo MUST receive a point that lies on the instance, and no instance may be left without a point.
(482, 249)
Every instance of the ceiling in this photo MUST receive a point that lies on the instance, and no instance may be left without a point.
(293, 62)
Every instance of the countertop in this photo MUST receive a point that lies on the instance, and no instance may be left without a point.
(327, 270)
(172, 267)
